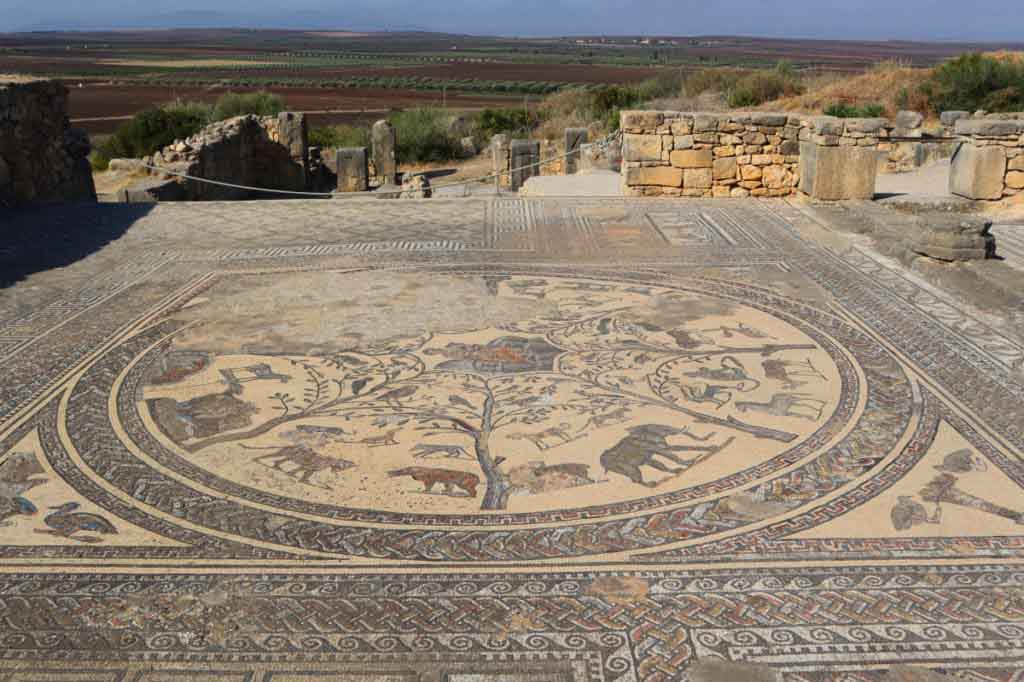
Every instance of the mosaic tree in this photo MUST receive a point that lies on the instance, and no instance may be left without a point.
(538, 377)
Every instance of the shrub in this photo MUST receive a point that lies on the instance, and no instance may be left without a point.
(976, 81)
(758, 87)
(711, 80)
(328, 137)
(423, 136)
(260, 103)
(840, 110)
(149, 131)
(490, 122)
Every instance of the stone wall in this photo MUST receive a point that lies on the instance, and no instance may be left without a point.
(667, 153)
(42, 159)
(269, 152)
(989, 161)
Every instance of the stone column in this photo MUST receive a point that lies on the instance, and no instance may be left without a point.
(499, 160)
(352, 168)
(525, 155)
(575, 138)
(385, 165)
(295, 136)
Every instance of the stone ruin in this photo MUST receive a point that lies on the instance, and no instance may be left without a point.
(42, 159)
(267, 152)
(989, 162)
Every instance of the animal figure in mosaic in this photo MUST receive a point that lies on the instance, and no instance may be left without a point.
(642, 447)
(386, 438)
(688, 338)
(600, 421)
(203, 416)
(65, 522)
(799, 405)
(739, 329)
(907, 513)
(428, 450)
(702, 392)
(549, 438)
(787, 371)
(962, 462)
(236, 376)
(448, 478)
(943, 489)
(306, 463)
(15, 505)
(729, 369)
(537, 477)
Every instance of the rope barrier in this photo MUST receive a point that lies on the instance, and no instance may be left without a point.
(603, 143)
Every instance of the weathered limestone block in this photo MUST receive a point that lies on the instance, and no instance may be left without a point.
(1015, 179)
(725, 168)
(705, 123)
(662, 176)
(1016, 163)
(908, 120)
(525, 155)
(837, 173)
(989, 127)
(683, 126)
(751, 172)
(776, 177)
(641, 147)
(575, 138)
(640, 121)
(293, 134)
(954, 237)
(977, 172)
(467, 147)
(692, 158)
(697, 178)
(352, 167)
(384, 143)
(949, 118)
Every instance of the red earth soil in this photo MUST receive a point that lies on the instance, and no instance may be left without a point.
(110, 101)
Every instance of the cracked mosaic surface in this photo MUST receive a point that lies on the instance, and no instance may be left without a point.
(502, 439)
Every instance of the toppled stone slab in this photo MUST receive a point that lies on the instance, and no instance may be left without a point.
(952, 237)
(151, 191)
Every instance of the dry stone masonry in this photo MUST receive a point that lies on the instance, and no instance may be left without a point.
(989, 161)
(268, 152)
(42, 159)
(669, 153)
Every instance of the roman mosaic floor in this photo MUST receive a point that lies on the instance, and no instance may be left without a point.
(496, 439)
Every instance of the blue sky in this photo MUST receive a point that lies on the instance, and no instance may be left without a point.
(863, 19)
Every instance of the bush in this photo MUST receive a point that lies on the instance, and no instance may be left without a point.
(840, 110)
(149, 131)
(260, 103)
(490, 122)
(711, 80)
(423, 136)
(758, 87)
(977, 81)
(329, 137)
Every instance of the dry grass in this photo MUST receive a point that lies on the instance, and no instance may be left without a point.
(1006, 56)
(891, 84)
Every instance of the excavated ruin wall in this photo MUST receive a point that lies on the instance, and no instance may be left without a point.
(42, 159)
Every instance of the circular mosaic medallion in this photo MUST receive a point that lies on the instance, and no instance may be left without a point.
(498, 402)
